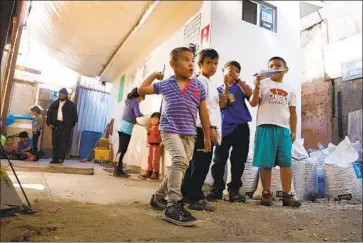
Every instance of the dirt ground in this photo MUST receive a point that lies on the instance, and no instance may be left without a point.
(135, 221)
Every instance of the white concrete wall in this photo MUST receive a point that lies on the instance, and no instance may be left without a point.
(137, 152)
(252, 46)
(233, 38)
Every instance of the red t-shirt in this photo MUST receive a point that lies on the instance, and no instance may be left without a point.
(154, 135)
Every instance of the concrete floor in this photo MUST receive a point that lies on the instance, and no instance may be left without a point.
(44, 165)
(101, 187)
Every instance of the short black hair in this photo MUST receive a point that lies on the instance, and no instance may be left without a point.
(36, 109)
(208, 52)
(233, 63)
(23, 134)
(174, 54)
(278, 58)
(133, 94)
(155, 114)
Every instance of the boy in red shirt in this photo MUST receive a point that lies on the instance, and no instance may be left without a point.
(155, 145)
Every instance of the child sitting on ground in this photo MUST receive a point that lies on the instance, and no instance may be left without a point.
(155, 145)
(276, 130)
(183, 97)
(25, 146)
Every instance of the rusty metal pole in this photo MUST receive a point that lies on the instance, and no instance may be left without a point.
(9, 78)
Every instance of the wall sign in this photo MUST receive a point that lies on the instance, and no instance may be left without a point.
(205, 36)
(266, 18)
(121, 88)
(352, 70)
(192, 31)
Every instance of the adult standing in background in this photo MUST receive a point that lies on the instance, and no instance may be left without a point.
(130, 113)
(61, 118)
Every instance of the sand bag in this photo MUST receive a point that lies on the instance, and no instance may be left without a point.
(276, 187)
(298, 151)
(249, 179)
(343, 174)
(304, 177)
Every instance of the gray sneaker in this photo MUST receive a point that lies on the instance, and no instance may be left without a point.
(158, 204)
(202, 205)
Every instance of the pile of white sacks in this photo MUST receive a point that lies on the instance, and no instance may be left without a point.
(342, 172)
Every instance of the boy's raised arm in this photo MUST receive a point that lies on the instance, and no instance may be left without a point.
(146, 87)
(255, 97)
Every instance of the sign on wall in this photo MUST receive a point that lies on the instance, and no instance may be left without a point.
(352, 69)
(266, 18)
(205, 37)
(192, 31)
(121, 88)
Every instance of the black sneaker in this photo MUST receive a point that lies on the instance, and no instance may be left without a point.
(158, 204)
(202, 205)
(289, 200)
(212, 197)
(53, 161)
(266, 199)
(177, 214)
(235, 196)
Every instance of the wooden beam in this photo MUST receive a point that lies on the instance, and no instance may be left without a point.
(9, 78)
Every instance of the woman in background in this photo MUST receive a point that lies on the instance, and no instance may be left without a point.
(128, 120)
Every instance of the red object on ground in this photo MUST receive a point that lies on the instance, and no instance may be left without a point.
(84, 160)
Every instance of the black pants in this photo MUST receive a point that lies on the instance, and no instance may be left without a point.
(124, 141)
(60, 138)
(197, 171)
(239, 140)
(35, 139)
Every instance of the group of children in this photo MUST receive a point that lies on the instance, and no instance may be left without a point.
(26, 149)
(222, 124)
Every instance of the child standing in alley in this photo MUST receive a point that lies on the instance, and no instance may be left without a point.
(183, 98)
(155, 145)
(235, 134)
(199, 165)
(276, 130)
(37, 125)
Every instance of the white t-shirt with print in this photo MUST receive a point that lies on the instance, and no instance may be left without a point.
(275, 100)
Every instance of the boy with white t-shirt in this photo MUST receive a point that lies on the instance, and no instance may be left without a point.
(276, 130)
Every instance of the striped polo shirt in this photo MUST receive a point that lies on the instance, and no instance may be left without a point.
(180, 108)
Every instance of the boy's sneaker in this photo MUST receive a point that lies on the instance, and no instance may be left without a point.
(235, 196)
(158, 204)
(289, 200)
(177, 214)
(202, 205)
(212, 197)
(266, 199)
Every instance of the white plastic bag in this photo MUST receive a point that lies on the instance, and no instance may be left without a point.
(249, 179)
(304, 175)
(276, 187)
(341, 178)
(298, 151)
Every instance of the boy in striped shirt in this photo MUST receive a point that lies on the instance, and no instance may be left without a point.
(183, 98)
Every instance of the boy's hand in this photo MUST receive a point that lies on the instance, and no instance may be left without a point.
(207, 145)
(159, 75)
(293, 137)
(257, 81)
(214, 136)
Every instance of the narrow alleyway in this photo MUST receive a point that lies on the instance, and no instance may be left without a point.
(103, 208)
